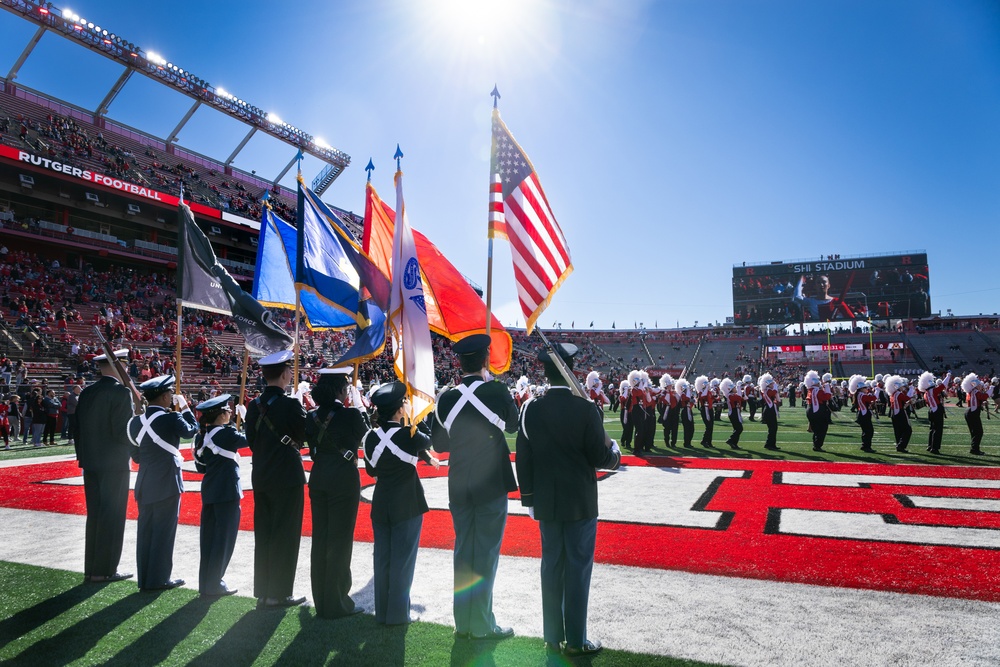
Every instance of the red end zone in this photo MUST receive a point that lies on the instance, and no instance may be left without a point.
(917, 529)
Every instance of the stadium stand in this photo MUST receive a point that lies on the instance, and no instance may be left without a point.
(57, 130)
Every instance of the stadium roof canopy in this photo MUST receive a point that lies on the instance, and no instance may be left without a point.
(84, 33)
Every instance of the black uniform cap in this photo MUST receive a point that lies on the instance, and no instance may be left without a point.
(566, 350)
(156, 386)
(389, 394)
(471, 344)
(283, 358)
(220, 401)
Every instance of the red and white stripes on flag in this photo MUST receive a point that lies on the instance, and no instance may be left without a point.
(520, 212)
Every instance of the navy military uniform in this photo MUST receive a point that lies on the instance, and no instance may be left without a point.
(560, 444)
(275, 428)
(398, 506)
(334, 434)
(157, 434)
(100, 435)
(469, 422)
(216, 452)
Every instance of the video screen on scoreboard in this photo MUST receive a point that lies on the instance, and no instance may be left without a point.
(832, 289)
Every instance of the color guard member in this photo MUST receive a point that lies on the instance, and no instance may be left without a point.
(103, 451)
(157, 436)
(469, 422)
(216, 453)
(276, 431)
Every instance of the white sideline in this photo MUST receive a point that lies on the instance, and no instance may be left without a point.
(709, 618)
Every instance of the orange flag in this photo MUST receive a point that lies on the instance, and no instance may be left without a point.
(454, 309)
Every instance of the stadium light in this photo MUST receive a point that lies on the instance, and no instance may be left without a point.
(111, 45)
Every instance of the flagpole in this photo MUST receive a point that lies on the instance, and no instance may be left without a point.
(243, 382)
(181, 247)
(177, 360)
(489, 246)
(299, 271)
(396, 272)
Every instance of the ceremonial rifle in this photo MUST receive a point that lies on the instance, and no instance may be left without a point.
(560, 364)
(138, 402)
(571, 381)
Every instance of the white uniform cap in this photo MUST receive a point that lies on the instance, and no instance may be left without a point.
(343, 370)
(277, 358)
(119, 354)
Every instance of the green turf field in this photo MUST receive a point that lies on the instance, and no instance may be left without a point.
(48, 617)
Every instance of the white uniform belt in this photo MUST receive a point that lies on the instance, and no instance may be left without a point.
(468, 396)
(385, 442)
(147, 431)
(215, 449)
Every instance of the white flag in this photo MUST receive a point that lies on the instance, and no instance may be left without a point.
(411, 337)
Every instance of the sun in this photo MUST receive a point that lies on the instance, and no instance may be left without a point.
(477, 22)
(464, 17)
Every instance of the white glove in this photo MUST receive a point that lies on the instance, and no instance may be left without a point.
(241, 412)
(615, 448)
(180, 402)
(531, 512)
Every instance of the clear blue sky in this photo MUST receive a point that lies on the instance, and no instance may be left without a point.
(674, 139)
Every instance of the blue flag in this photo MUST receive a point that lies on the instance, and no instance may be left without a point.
(373, 281)
(274, 285)
(368, 340)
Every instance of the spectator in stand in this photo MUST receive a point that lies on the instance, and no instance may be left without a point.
(14, 416)
(5, 423)
(34, 415)
(72, 400)
(52, 408)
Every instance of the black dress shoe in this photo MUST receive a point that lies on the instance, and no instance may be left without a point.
(497, 634)
(222, 592)
(275, 603)
(461, 635)
(103, 579)
(173, 583)
(589, 648)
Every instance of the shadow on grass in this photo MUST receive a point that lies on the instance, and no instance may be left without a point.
(156, 644)
(353, 640)
(30, 618)
(243, 641)
(77, 640)
(480, 654)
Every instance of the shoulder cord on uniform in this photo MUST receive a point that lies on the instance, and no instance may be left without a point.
(263, 418)
(210, 445)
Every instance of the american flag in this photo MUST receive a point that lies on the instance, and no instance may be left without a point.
(520, 213)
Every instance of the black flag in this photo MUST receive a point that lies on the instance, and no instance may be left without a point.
(206, 285)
